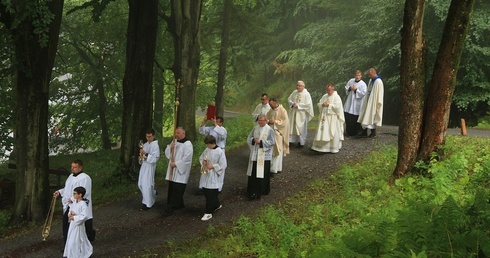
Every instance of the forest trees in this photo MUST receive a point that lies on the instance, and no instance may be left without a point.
(184, 26)
(34, 30)
(432, 131)
(138, 79)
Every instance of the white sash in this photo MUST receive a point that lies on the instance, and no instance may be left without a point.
(260, 152)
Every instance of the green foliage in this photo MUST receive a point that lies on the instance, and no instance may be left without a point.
(88, 77)
(361, 211)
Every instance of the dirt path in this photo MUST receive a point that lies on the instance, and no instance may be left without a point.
(123, 230)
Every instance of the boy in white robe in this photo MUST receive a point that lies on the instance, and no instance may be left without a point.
(77, 244)
(330, 133)
(213, 165)
(219, 133)
(146, 179)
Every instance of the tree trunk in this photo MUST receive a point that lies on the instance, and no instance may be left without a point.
(34, 64)
(443, 81)
(184, 26)
(102, 106)
(223, 57)
(159, 83)
(137, 81)
(412, 79)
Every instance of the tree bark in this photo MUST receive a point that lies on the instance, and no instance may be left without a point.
(223, 57)
(443, 83)
(137, 81)
(412, 80)
(184, 26)
(34, 64)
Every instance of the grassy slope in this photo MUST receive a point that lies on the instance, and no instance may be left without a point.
(362, 211)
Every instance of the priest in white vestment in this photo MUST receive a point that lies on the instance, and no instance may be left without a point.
(219, 133)
(77, 243)
(179, 153)
(262, 108)
(355, 89)
(261, 141)
(371, 114)
(300, 113)
(146, 180)
(330, 132)
(279, 121)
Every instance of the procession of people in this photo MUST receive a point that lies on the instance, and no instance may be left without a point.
(276, 130)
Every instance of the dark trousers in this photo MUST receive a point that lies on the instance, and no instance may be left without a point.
(212, 201)
(175, 197)
(352, 127)
(89, 227)
(259, 186)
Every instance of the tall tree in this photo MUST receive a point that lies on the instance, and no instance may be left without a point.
(184, 25)
(223, 57)
(138, 78)
(441, 88)
(34, 28)
(412, 80)
(96, 63)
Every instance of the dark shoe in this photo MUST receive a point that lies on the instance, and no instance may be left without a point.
(373, 133)
(299, 145)
(362, 133)
(252, 197)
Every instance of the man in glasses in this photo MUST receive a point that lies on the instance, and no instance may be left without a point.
(262, 108)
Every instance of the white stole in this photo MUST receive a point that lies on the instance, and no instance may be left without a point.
(264, 132)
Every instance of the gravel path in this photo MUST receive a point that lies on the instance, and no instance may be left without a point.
(123, 230)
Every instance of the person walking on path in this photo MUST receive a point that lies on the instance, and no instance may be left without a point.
(261, 141)
(262, 108)
(77, 178)
(371, 114)
(213, 165)
(279, 121)
(330, 132)
(355, 89)
(300, 113)
(150, 152)
(179, 153)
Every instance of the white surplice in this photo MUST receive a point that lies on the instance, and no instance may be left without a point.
(77, 244)
(211, 179)
(371, 114)
(146, 179)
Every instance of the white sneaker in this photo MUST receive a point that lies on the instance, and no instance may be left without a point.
(218, 208)
(206, 217)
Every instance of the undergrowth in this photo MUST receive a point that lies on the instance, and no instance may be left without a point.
(361, 211)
